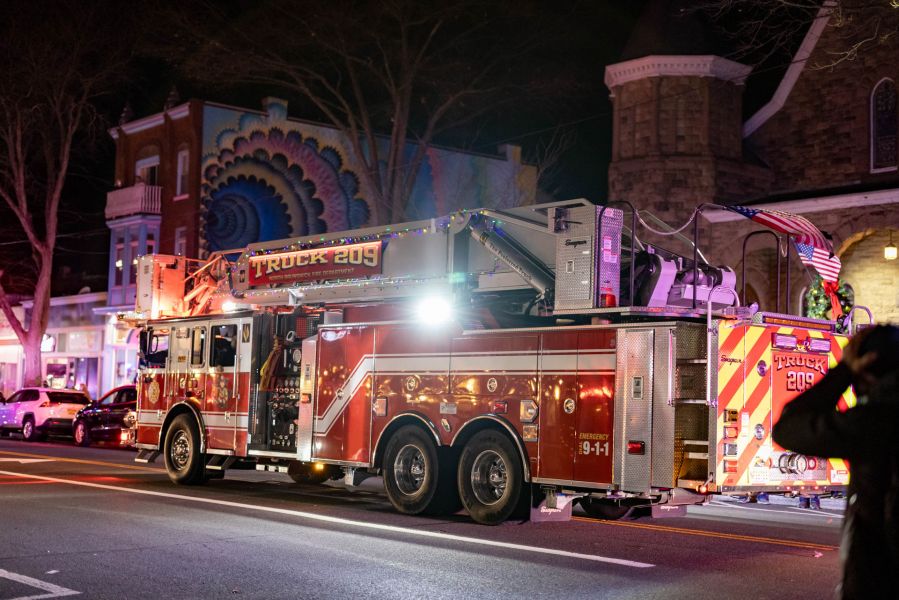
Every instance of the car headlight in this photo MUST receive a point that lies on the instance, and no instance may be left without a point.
(130, 419)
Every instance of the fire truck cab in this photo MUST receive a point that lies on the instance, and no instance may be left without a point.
(494, 361)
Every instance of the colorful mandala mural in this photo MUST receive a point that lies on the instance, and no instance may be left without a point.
(266, 177)
(268, 183)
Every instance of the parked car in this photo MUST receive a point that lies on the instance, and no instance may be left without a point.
(107, 418)
(37, 411)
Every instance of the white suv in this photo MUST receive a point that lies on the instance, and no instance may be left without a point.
(38, 411)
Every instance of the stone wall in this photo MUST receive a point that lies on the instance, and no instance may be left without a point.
(821, 136)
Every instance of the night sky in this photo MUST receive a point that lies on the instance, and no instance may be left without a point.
(597, 36)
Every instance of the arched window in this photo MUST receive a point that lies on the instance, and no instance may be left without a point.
(883, 126)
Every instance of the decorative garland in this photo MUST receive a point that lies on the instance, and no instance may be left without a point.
(816, 302)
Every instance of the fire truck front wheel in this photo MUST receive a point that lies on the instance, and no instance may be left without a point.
(491, 478)
(183, 461)
(412, 474)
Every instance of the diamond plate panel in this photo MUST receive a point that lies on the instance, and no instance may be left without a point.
(634, 392)
(587, 267)
(663, 407)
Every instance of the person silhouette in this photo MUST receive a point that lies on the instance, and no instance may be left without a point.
(866, 435)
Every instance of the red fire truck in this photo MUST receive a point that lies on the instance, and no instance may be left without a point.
(491, 360)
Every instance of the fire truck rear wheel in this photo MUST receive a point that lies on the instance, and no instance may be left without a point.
(491, 478)
(411, 473)
(183, 461)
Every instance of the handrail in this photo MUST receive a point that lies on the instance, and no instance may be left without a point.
(847, 323)
(708, 339)
(743, 267)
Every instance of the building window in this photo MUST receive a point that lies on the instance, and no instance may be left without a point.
(180, 241)
(183, 169)
(883, 127)
(132, 272)
(146, 170)
(119, 262)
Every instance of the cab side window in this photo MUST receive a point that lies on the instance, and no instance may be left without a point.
(224, 346)
(17, 397)
(197, 346)
(109, 399)
(127, 395)
(30, 396)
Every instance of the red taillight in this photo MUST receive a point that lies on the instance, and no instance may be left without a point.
(730, 466)
(634, 447)
(730, 432)
(500, 407)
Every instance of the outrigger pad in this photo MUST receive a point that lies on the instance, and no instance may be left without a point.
(561, 512)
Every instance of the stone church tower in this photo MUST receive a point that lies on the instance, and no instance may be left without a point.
(677, 123)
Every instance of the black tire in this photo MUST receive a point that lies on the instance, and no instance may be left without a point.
(412, 474)
(183, 461)
(604, 509)
(81, 433)
(29, 430)
(491, 478)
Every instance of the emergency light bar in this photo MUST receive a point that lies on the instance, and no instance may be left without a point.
(819, 345)
(783, 341)
(791, 321)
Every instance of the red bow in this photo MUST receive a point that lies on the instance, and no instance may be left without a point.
(830, 288)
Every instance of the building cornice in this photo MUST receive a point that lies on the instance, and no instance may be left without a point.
(813, 205)
(676, 66)
(68, 300)
(793, 71)
(178, 112)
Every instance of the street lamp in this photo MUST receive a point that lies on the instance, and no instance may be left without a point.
(890, 251)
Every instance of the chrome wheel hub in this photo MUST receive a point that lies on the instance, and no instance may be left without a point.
(488, 477)
(409, 469)
(180, 451)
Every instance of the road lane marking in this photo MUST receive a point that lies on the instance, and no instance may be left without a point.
(25, 461)
(83, 461)
(714, 534)
(347, 522)
(53, 590)
(813, 511)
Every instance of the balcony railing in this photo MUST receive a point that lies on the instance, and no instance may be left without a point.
(134, 200)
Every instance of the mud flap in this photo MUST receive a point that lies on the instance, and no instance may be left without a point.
(553, 508)
(663, 511)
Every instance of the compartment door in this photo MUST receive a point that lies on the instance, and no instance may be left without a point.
(594, 407)
(633, 408)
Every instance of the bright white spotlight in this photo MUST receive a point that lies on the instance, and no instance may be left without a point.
(433, 310)
(229, 306)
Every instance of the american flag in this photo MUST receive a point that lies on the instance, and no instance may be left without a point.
(799, 228)
(827, 265)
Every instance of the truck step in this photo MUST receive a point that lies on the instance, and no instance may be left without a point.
(146, 456)
(218, 462)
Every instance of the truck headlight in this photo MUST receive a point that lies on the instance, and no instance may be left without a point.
(130, 419)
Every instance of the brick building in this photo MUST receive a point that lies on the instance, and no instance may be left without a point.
(201, 177)
(823, 146)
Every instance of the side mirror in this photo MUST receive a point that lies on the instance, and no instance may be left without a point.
(144, 340)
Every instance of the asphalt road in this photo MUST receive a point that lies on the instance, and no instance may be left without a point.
(92, 523)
